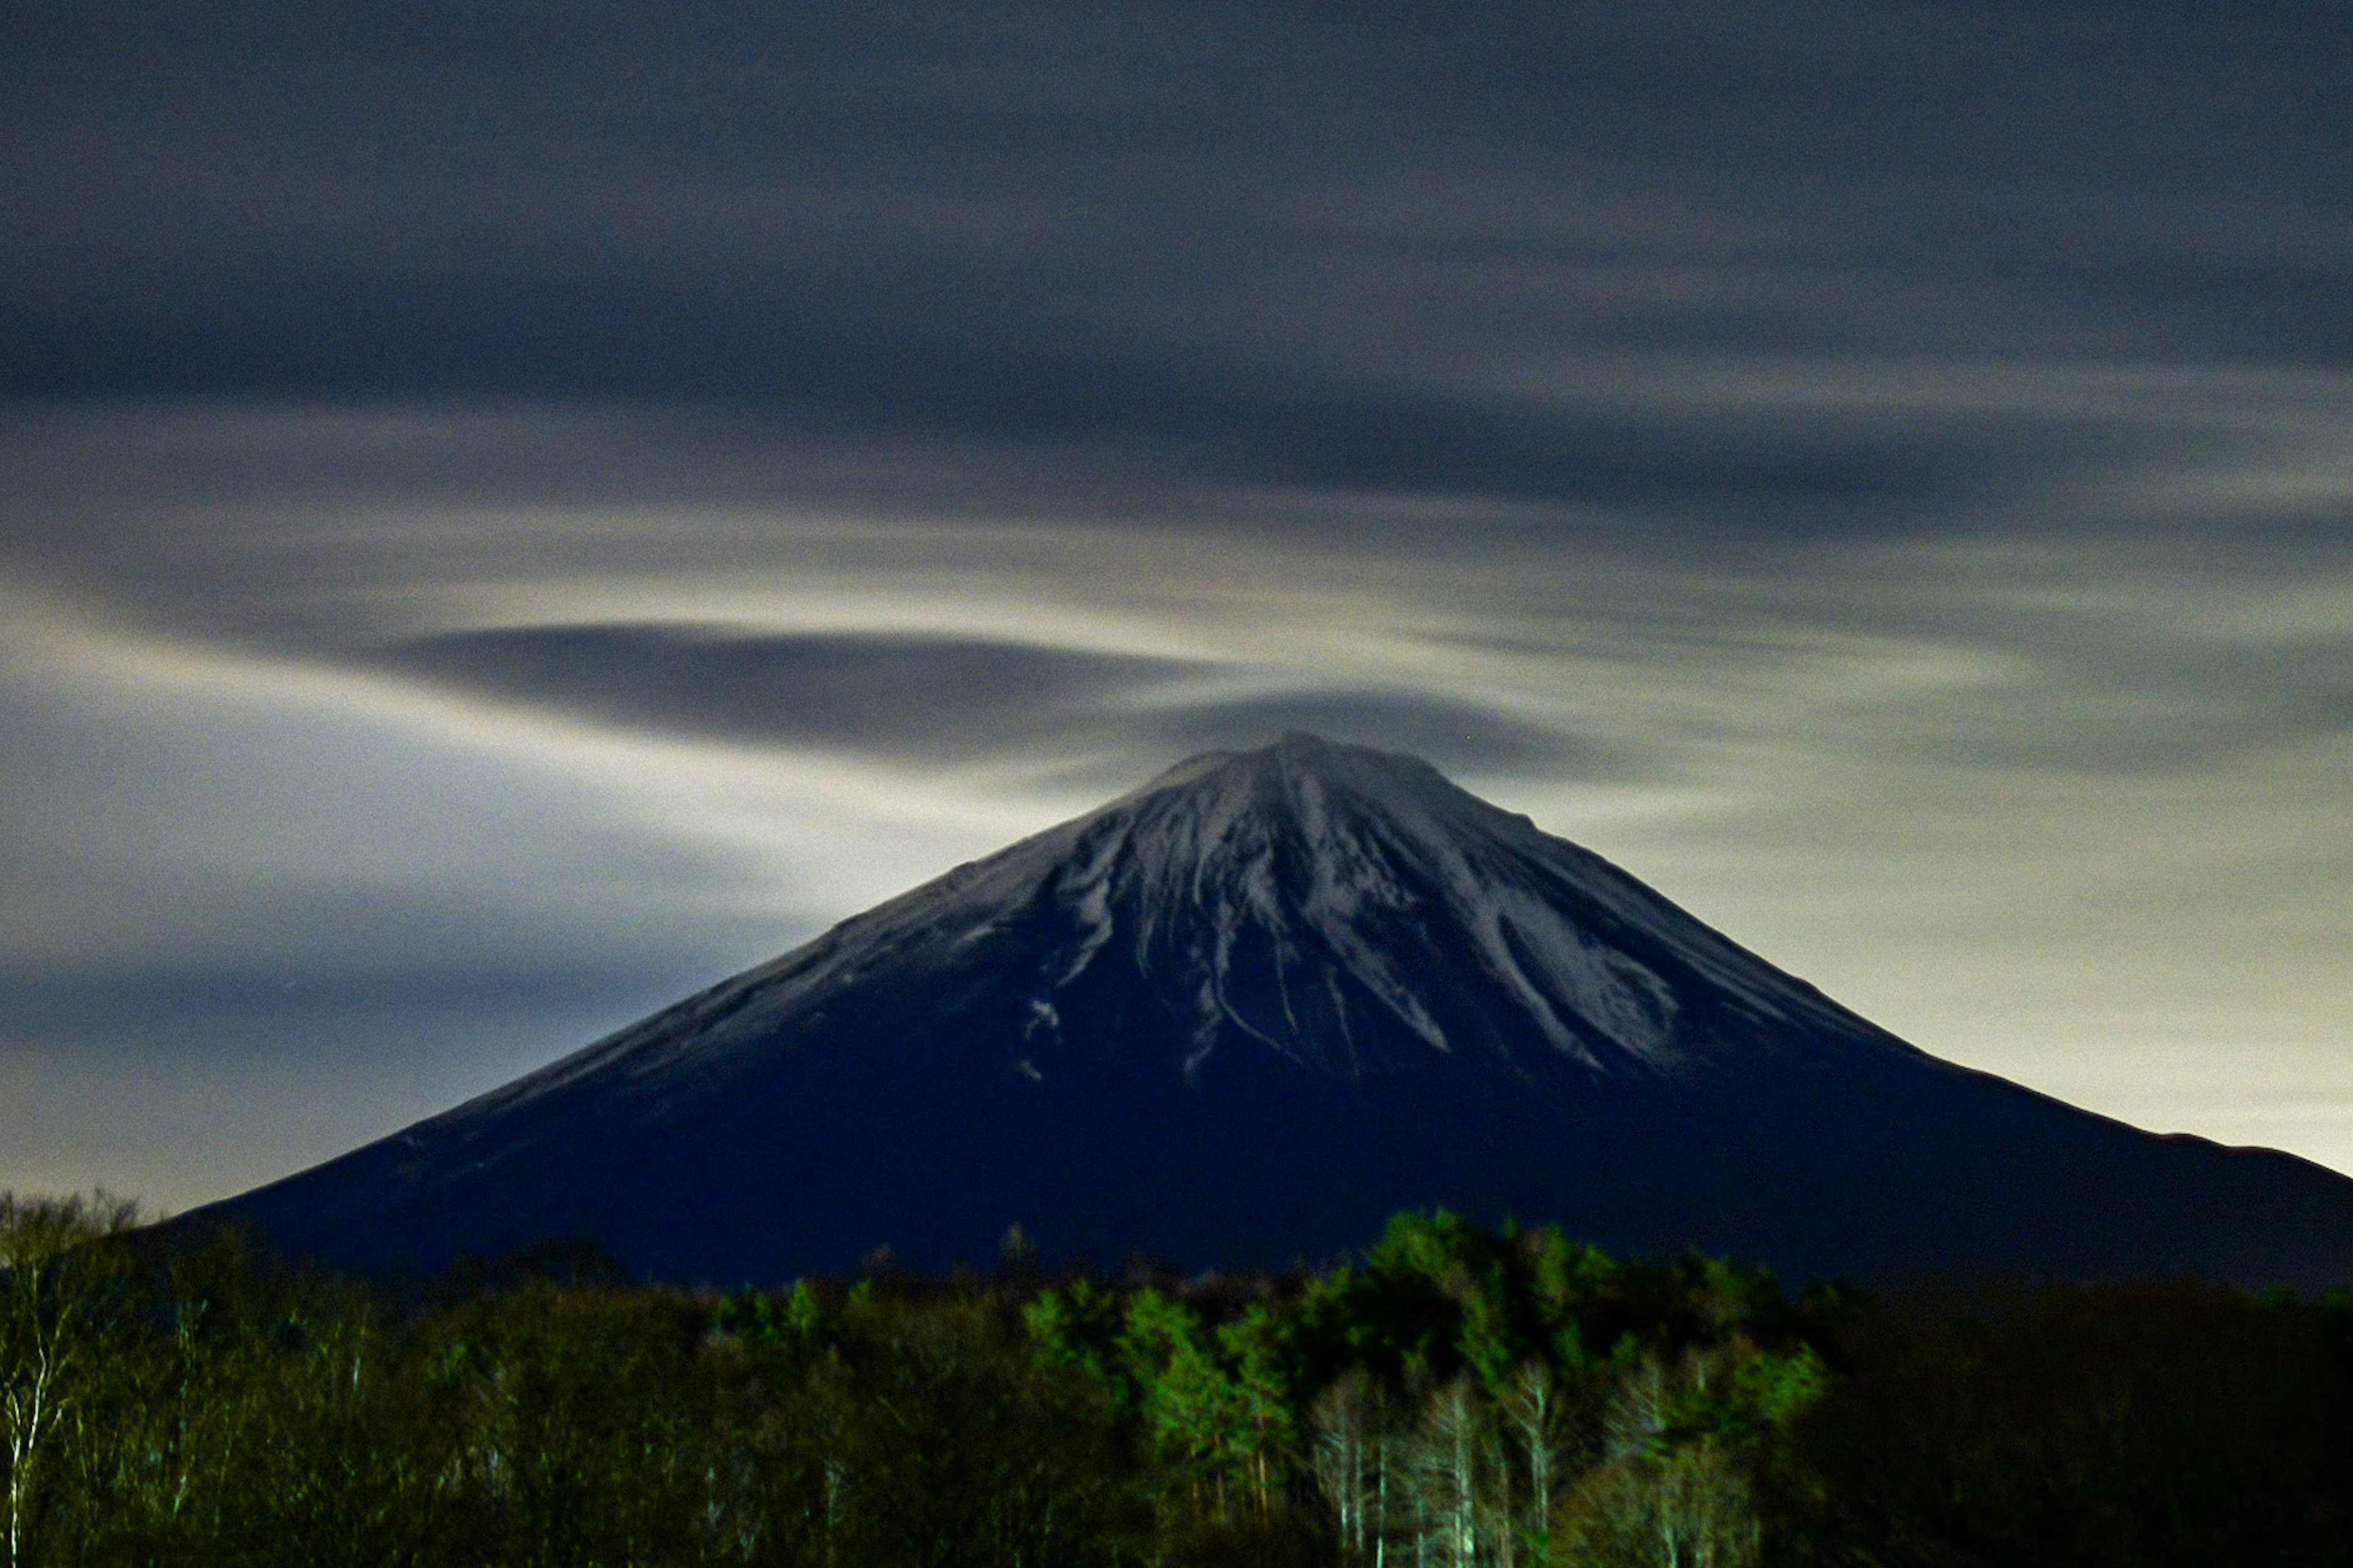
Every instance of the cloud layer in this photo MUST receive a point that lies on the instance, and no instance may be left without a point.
(515, 510)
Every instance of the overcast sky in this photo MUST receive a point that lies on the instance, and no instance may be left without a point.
(512, 511)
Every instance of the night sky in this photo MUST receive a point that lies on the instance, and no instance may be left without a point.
(510, 511)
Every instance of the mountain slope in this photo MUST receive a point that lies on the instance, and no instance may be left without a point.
(1240, 1014)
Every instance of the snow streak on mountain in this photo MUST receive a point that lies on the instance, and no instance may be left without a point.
(1240, 1014)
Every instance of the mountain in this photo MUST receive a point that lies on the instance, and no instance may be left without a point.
(1240, 1016)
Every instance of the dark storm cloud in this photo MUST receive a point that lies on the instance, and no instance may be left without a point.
(1808, 454)
(892, 695)
(938, 698)
(1278, 244)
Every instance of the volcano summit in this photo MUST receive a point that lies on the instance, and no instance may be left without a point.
(1242, 1015)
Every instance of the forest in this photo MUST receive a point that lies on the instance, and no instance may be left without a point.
(1455, 1396)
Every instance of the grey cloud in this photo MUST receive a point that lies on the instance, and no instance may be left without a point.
(1457, 735)
(894, 695)
(276, 1009)
(1150, 226)
(1175, 416)
(182, 1089)
(933, 699)
(2110, 654)
(2132, 705)
(1672, 372)
(206, 836)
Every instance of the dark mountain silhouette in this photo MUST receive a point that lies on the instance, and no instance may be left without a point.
(1238, 1017)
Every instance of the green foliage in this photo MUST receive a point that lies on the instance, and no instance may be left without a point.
(1188, 1400)
(1769, 1389)
(1077, 1327)
(1440, 1402)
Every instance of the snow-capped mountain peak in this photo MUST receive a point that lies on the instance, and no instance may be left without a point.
(1242, 1013)
(1349, 909)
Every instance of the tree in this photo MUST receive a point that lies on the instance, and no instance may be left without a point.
(1533, 1411)
(1453, 1456)
(1189, 1405)
(1259, 1396)
(57, 1274)
(1351, 1460)
(1673, 1489)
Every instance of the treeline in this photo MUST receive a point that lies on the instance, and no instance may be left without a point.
(1456, 1397)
